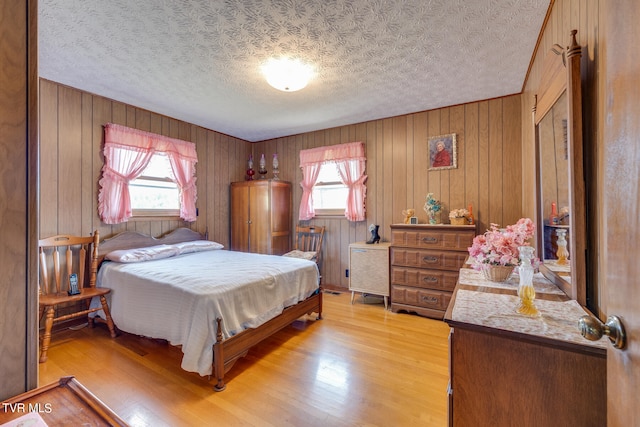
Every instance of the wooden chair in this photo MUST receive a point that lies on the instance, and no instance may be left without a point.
(309, 239)
(54, 282)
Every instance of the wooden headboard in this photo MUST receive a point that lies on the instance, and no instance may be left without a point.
(134, 239)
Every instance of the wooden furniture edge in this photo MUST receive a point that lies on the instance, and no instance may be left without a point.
(227, 351)
(533, 339)
(135, 239)
(74, 386)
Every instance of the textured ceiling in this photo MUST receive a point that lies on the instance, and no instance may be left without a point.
(199, 60)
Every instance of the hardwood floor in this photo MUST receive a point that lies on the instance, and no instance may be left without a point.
(359, 365)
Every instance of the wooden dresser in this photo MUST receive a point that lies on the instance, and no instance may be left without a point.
(425, 260)
(507, 369)
(261, 216)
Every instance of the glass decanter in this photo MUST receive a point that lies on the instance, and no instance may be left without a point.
(526, 292)
(276, 170)
(263, 167)
(562, 253)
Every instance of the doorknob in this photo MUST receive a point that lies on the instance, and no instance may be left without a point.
(592, 329)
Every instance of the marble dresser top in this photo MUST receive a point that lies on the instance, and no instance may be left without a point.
(471, 277)
(480, 302)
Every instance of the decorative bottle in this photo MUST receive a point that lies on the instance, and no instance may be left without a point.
(562, 253)
(553, 217)
(526, 292)
(250, 171)
(263, 167)
(470, 219)
(276, 171)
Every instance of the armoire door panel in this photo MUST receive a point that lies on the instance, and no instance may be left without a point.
(261, 216)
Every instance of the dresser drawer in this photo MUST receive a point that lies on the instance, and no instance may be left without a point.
(434, 238)
(432, 299)
(418, 258)
(423, 278)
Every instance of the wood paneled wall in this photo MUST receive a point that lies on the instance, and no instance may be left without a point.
(564, 16)
(71, 140)
(488, 174)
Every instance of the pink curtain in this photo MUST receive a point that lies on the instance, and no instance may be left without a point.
(127, 152)
(184, 171)
(350, 159)
(352, 174)
(310, 174)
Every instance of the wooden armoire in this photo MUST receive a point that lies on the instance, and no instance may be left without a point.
(261, 216)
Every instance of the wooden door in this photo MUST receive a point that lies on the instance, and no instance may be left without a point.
(280, 217)
(18, 197)
(260, 217)
(621, 203)
(239, 216)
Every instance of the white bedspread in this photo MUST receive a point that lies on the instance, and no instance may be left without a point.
(179, 298)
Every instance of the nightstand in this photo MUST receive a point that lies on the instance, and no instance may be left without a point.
(369, 269)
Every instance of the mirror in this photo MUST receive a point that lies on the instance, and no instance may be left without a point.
(560, 213)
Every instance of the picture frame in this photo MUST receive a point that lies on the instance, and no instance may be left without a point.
(443, 152)
(413, 220)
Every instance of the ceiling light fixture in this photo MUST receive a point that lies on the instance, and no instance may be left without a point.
(287, 75)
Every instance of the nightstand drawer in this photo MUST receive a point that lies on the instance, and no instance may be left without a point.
(422, 278)
(418, 258)
(419, 297)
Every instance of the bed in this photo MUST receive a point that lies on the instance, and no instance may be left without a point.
(214, 303)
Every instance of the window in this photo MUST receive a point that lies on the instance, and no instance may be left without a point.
(329, 193)
(342, 167)
(155, 192)
(127, 154)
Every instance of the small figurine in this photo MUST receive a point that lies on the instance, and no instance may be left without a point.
(408, 213)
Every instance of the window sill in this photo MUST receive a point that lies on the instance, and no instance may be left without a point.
(155, 218)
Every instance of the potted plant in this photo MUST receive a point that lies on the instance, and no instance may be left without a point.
(496, 251)
(459, 216)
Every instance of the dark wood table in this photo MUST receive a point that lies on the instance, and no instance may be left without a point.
(63, 403)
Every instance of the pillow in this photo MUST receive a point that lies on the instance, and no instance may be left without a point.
(311, 256)
(197, 246)
(142, 254)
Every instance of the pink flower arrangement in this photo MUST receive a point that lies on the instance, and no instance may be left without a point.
(500, 247)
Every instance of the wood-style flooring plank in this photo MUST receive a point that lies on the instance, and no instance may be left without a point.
(359, 365)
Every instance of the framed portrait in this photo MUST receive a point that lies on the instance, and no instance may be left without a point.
(443, 152)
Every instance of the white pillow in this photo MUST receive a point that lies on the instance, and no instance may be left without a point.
(197, 246)
(143, 254)
(311, 256)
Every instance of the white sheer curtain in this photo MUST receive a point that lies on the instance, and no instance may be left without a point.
(350, 159)
(127, 152)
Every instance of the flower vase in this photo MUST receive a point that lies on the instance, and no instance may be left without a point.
(497, 273)
(434, 217)
(526, 291)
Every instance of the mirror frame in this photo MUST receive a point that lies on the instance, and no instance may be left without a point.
(560, 73)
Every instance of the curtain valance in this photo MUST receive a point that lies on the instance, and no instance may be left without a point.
(348, 151)
(127, 153)
(134, 139)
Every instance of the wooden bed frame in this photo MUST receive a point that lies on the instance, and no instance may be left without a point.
(225, 351)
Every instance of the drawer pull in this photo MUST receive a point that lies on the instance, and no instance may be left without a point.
(430, 279)
(430, 239)
(430, 259)
(430, 300)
